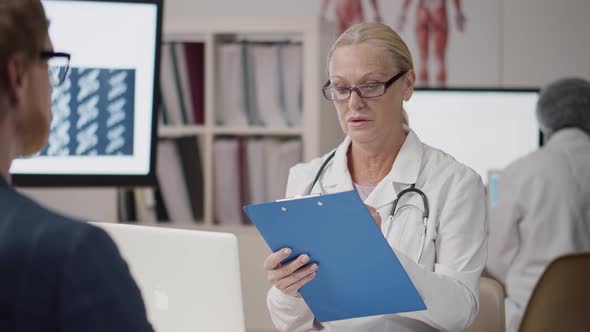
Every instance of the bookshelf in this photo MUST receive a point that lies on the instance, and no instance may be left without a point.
(319, 130)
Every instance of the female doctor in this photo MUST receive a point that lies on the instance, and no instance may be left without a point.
(437, 228)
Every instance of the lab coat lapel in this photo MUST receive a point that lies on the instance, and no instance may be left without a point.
(404, 172)
(337, 177)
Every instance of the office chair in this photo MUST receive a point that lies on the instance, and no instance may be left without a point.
(491, 308)
(561, 298)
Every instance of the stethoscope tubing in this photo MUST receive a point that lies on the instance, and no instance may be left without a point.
(411, 188)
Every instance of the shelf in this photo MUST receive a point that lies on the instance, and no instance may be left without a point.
(193, 130)
(251, 131)
(181, 130)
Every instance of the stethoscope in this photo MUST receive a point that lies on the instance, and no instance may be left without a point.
(411, 188)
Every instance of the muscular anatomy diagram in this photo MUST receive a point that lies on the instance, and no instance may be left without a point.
(350, 12)
(432, 24)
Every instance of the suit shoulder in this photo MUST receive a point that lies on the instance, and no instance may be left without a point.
(30, 222)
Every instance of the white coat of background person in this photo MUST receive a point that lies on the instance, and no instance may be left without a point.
(379, 157)
(543, 207)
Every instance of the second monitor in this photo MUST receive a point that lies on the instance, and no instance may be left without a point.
(485, 129)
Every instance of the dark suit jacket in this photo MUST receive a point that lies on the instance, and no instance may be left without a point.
(59, 274)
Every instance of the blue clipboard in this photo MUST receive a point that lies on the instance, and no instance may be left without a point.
(359, 274)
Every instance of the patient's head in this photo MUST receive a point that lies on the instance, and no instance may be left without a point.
(25, 93)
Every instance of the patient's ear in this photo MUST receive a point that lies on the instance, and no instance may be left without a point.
(15, 78)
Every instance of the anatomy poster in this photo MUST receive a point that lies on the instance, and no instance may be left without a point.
(454, 43)
(93, 114)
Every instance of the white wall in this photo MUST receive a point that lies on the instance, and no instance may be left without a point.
(540, 40)
(545, 40)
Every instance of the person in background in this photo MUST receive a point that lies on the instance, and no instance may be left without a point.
(543, 207)
(370, 75)
(56, 273)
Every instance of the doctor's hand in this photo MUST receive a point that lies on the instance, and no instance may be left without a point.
(288, 278)
(376, 216)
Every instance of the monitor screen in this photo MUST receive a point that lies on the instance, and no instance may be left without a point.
(103, 126)
(483, 129)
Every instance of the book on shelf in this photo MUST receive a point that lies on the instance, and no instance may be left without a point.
(232, 92)
(250, 170)
(260, 84)
(180, 178)
(170, 93)
(182, 77)
(195, 60)
(291, 70)
(188, 148)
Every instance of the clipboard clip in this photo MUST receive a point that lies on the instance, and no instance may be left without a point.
(297, 197)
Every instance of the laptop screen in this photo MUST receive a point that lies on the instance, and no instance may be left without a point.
(102, 131)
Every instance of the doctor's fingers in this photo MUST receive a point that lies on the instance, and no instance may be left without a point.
(273, 260)
(290, 284)
(293, 289)
(287, 269)
(376, 216)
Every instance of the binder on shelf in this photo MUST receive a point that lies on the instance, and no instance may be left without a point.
(256, 170)
(145, 205)
(173, 183)
(177, 83)
(267, 83)
(227, 182)
(280, 156)
(195, 59)
(126, 205)
(169, 88)
(231, 89)
(182, 77)
(292, 82)
(352, 280)
(188, 148)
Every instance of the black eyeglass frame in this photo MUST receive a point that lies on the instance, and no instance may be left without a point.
(357, 88)
(46, 55)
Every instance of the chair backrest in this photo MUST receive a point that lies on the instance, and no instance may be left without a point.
(491, 308)
(561, 298)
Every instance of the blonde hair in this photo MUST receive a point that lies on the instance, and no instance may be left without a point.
(381, 35)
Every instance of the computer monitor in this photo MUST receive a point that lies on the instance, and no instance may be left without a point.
(485, 129)
(104, 119)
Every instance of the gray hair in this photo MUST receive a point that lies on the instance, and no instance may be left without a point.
(564, 104)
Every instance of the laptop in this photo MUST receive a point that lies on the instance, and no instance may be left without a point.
(190, 280)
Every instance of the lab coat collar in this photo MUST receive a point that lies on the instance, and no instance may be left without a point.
(405, 170)
(566, 136)
(338, 179)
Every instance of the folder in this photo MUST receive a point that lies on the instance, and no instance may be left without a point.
(233, 108)
(359, 275)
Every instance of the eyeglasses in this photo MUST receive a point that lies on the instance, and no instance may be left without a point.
(59, 64)
(367, 90)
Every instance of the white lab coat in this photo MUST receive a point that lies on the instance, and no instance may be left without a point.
(455, 246)
(542, 212)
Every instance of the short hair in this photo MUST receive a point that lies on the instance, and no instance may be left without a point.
(381, 35)
(564, 104)
(23, 29)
